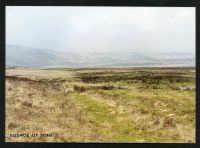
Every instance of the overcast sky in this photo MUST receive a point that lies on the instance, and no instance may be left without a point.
(91, 29)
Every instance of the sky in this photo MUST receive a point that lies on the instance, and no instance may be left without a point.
(102, 29)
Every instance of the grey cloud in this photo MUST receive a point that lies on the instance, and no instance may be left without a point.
(91, 29)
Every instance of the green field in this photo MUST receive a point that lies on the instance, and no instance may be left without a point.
(134, 105)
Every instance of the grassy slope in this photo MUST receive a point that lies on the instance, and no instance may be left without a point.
(111, 105)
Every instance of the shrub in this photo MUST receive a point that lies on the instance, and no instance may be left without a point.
(79, 88)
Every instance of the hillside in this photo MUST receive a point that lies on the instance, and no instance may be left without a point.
(35, 57)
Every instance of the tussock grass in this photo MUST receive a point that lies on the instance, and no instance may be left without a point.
(102, 105)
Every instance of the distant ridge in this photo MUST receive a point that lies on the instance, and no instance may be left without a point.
(45, 58)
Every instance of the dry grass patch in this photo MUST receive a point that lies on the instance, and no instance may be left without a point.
(105, 105)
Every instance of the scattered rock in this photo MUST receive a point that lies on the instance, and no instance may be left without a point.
(170, 115)
(159, 104)
(185, 88)
(68, 90)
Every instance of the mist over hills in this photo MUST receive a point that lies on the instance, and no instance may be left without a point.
(45, 58)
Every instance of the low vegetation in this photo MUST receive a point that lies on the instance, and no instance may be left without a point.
(101, 105)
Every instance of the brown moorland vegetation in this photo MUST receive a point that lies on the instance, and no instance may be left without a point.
(101, 105)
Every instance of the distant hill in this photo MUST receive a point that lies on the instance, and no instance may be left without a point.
(35, 57)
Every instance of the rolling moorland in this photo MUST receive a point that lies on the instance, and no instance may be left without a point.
(101, 105)
(42, 58)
